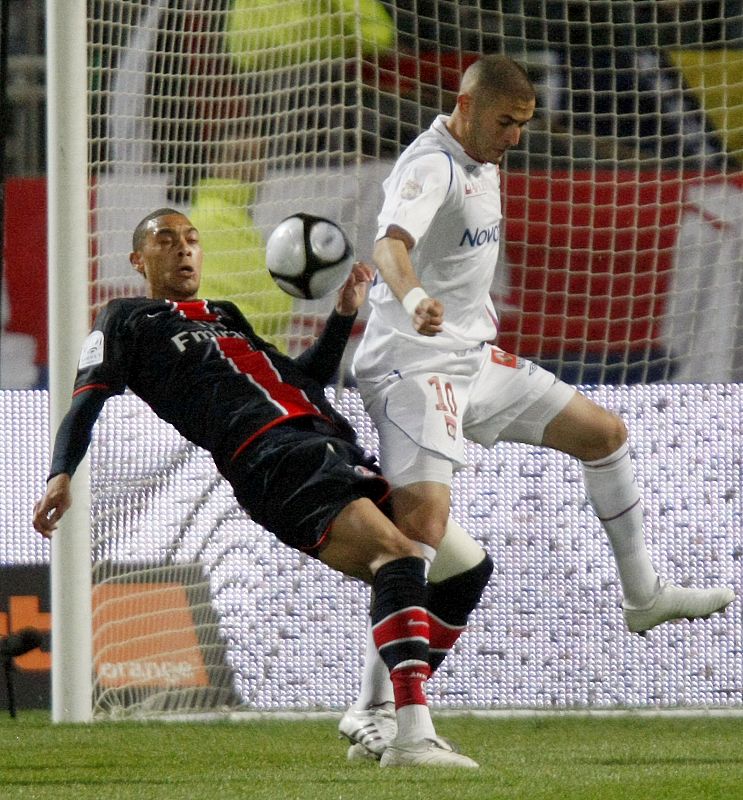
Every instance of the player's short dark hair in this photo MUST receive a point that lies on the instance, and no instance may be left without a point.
(141, 230)
(498, 76)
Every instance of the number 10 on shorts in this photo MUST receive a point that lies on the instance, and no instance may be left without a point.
(446, 403)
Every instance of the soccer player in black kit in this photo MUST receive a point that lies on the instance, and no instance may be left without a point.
(291, 459)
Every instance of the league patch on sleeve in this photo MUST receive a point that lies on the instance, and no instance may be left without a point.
(411, 189)
(92, 351)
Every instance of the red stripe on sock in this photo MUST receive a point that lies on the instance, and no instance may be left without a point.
(442, 636)
(407, 683)
(405, 624)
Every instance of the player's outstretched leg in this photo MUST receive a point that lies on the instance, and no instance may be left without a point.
(648, 601)
(400, 628)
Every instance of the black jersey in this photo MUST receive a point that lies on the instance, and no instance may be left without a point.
(200, 366)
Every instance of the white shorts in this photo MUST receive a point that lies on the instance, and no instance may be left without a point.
(424, 415)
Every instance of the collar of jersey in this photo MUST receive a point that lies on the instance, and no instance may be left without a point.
(439, 125)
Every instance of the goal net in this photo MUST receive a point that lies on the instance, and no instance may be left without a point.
(623, 212)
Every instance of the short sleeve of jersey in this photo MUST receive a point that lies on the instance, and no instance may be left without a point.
(414, 193)
(103, 357)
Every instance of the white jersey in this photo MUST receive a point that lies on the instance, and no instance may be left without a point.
(450, 204)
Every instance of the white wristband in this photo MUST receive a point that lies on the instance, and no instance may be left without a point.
(412, 298)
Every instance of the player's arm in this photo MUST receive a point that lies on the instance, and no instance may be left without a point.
(70, 446)
(392, 257)
(322, 360)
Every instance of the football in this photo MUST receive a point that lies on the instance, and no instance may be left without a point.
(308, 256)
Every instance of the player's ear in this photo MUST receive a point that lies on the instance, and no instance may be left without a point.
(464, 104)
(136, 260)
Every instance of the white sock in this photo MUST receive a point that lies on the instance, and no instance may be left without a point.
(376, 686)
(413, 723)
(615, 497)
(428, 553)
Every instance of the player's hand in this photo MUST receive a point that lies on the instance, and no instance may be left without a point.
(56, 500)
(351, 295)
(428, 318)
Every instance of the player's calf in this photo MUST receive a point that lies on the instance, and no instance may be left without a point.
(450, 603)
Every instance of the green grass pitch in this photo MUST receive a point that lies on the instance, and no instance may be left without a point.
(570, 757)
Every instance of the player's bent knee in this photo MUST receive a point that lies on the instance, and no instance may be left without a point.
(362, 538)
(618, 434)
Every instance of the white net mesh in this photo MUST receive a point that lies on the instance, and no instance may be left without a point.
(620, 263)
(623, 204)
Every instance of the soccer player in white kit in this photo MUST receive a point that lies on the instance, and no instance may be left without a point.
(430, 379)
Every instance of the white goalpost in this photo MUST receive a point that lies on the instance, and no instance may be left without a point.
(621, 269)
(68, 325)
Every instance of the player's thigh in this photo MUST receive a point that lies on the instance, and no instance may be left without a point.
(361, 539)
(513, 399)
(421, 510)
(585, 430)
(419, 426)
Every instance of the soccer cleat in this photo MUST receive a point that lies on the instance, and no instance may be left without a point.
(357, 752)
(677, 602)
(369, 730)
(424, 753)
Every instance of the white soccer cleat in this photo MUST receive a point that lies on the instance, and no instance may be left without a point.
(435, 752)
(369, 730)
(677, 602)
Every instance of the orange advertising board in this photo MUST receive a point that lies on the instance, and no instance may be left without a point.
(144, 635)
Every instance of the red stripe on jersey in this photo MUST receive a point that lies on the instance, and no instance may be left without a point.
(410, 623)
(89, 387)
(234, 346)
(257, 367)
(196, 310)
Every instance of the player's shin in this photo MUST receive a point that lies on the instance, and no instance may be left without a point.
(450, 603)
(615, 497)
(400, 629)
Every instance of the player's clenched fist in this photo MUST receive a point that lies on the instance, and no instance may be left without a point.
(428, 316)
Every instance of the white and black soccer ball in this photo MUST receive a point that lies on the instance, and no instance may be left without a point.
(308, 256)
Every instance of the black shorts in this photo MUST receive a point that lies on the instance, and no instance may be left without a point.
(294, 482)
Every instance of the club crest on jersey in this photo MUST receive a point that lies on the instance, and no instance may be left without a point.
(411, 189)
(91, 353)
